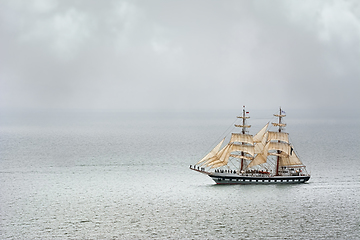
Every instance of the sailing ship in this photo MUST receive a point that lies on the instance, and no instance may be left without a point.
(268, 157)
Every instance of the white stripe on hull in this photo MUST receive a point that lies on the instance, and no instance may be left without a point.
(226, 179)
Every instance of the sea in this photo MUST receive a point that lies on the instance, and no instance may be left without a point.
(125, 175)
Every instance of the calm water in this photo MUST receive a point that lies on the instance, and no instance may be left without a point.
(126, 176)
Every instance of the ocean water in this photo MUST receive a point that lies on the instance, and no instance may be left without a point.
(103, 175)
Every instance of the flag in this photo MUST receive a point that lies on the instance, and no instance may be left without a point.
(247, 112)
(283, 112)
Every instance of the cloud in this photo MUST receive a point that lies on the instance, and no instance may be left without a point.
(62, 33)
(179, 54)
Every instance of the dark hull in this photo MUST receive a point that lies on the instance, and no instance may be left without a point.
(237, 179)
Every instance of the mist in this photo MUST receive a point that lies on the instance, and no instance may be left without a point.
(180, 55)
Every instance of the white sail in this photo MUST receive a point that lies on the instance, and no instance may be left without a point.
(262, 149)
(259, 146)
(239, 137)
(259, 136)
(212, 152)
(220, 164)
(290, 160)
(216, 157)
(259, 159)
(220, 159)
(284, 147)
(223, 161)
(280, 136)
(243, 148)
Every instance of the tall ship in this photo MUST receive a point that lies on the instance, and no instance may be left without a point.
(268, 157)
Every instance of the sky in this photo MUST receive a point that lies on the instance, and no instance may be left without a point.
(180, 55)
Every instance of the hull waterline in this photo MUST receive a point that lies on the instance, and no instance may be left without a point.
(236, 179)
(233, 178)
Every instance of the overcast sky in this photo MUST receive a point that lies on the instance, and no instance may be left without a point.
(198, 54)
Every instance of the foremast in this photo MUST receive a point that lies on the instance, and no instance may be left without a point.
(240, 146)
(244, 131)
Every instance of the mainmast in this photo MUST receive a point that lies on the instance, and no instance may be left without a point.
(280, 126)
(243, 131)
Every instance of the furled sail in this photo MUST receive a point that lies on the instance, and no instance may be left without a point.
(242, 126)
(241, 156)
(279, 124)
(280, 136)
(239, 137)
(212, 152)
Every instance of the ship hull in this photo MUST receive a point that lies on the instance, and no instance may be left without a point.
(238, 179)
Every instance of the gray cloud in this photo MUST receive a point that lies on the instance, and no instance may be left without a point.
(179, 54)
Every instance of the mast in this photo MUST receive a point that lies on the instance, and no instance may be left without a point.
(243, 131)
(280, 125)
